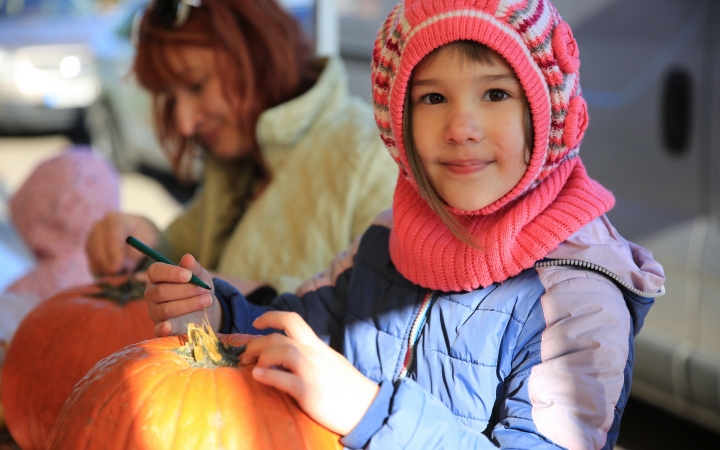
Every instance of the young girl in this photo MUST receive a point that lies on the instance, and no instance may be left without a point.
(496, 306)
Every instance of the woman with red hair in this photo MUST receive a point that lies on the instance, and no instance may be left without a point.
(281, 138)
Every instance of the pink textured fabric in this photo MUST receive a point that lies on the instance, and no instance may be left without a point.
(54, 211)
(552, 200)
(566, 49)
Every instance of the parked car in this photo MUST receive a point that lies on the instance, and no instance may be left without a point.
(47, 67)
(653, 90)
(651, 77)
(120, 123)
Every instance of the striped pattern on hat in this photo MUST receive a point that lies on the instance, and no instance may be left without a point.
(553, 199)
(529, 34)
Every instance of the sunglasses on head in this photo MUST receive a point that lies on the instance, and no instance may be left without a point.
(170, 14)
(174, 13)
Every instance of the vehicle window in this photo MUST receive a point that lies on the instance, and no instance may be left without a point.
(304, 13)
(303, 10)
(21, 8)
(125, 27)
(359, 22)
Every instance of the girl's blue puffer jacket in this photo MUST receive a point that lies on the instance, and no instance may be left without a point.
(543, 360)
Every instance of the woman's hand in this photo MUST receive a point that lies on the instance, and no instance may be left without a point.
(107, 251)
(173, 302)
(326, 386)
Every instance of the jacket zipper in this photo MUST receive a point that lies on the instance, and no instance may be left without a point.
(430, 297)
(602, 270)
(409, 358)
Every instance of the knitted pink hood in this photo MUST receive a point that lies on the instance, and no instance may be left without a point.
(54, 211)
(553, 199)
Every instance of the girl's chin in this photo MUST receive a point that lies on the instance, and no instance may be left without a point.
(467, 205)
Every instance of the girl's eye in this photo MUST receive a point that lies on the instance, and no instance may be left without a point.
(432, 99)
(496, 95)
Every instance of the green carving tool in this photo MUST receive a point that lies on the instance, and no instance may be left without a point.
(150, 253)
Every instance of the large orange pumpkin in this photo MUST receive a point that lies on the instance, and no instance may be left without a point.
(183, 392)
(57, 343)
(2, 414)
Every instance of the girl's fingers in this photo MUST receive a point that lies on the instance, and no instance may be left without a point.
(283, 356)
(257, 345)
(166, 273)
(159, 312)
(163, 329)
(188, 261)
(279, 379)
(290, 322)
(172, 300)
(165, 292)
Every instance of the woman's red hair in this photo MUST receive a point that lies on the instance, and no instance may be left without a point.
(263, 59)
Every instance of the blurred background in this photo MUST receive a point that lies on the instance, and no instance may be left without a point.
(651, 77)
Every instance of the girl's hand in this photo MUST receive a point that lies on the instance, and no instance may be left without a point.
(173, 302)
(244, 286)
(325, 385)
(107, 252)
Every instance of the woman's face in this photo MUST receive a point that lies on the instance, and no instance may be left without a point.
(201, 109)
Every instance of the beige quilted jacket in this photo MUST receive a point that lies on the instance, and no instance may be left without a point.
(331, 176)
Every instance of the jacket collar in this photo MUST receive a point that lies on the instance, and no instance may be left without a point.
(282, 126)
(600, 244)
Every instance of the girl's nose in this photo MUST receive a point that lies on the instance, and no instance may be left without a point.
(187, 115)
(463, 126)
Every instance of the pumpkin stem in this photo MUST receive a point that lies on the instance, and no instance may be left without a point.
(121, 293)
(204, 349)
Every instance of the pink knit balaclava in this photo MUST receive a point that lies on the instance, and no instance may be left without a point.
(54, 211)
(554, 198)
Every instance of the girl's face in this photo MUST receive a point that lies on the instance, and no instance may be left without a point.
(201, 109)
(468, 127)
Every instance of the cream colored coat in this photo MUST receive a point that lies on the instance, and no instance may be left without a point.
(331, 175)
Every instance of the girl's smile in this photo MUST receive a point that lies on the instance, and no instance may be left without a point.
(468, 127)
(465, 166)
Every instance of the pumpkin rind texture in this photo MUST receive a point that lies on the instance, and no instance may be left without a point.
(2, 413)
(3, 350)
(57, 343)
(149, 396)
